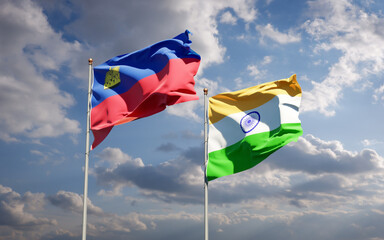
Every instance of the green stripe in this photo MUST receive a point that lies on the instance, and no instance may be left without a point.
(250, 151)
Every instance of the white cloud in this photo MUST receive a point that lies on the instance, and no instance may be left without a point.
(14, 210)
(228, 18)
(32, 103)
(255, 72)
(202, 17)
(123, 226)
(239, 83)
(267, 60)
(188, 109)
(268, 31)
(165, 179)
(371, 142)
(73, 202)
(342, 26)
(329, 157)
(104, 225)
(378, 95)
(34, 201)
(115, 157)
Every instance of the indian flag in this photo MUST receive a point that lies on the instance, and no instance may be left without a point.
(248, 125)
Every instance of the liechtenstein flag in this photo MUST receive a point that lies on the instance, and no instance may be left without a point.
(142, 83)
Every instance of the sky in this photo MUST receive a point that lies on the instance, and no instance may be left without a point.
(146, 178)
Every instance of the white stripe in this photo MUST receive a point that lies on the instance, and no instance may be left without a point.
(281, 109)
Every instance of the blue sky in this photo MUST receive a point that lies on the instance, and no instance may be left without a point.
(146, 178)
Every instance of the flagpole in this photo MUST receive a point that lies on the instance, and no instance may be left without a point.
(205, 167)
(85, 197)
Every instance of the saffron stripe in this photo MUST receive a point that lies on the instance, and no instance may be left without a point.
(225, 104)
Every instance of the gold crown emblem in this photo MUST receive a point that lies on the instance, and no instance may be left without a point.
(112, 77)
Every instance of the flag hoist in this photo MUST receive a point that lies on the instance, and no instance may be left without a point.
(87, 149)
(205, 166)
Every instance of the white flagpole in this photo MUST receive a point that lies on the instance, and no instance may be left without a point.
(85, 197)
(205, 167)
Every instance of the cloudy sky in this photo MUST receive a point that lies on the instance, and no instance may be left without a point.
(146, 178)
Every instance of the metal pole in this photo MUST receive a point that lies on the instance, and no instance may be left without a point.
(205, 167)
(85, 197)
